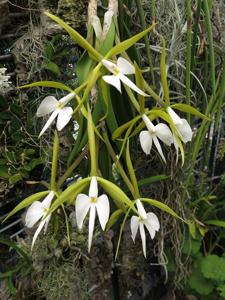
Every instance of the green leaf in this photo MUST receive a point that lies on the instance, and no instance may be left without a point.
(217, 223)
(119, 197)
(83, 67)
(189, 109)
(53, 67)
(152, 179)
(70, 193)
(15, 178)
(123, 46)
(123, 127)
(76, 37)
(26, 202)
(4, 172)
(109, 40)
(198, 283)
(161, 206)
(213, 267)
(52, 84)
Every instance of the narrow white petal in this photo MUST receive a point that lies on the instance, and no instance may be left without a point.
(47, 200)
(158, 146)
(64, 100)
(41, 225)
(34, 214)
(176, 147)
(82, 206)
(164, 133)
(146, 141)
(46, 223)
(49, 122)
(48, 105)
(134, 223)
(131, 85)
(125, 66)
(109, 65)
(93, 190)
(113, 80)
(185, 130)
(143, 238)
(152, 224)
(91, 226)
(141, 210)
(149, 124)
(64, 117)
(102, 206)
(176, 119)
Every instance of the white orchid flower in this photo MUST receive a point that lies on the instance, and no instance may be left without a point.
(148, 220)
(160, 131)
(92, 202)
(119, 70)
(182, 126)
(57, 108)
(38, 211)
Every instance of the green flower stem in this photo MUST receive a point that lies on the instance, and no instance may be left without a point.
(54, 161)
(92, 145)
(132, 172)
(147, 47)
(211, 47)
(72, 167)
(152, 10)
(132, 98)
(195, 34)
(154, 95)
(188, 55)
(118, 164)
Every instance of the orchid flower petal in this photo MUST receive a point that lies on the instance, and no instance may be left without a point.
(109, 65)
(64, 100)
(91, 226)
(158, 146)
(141, 210)
(134, 223)
(102, 206)
(185, 131)
(41, 225)
(64, 117)
(176, 147)
(164, 134)
(152, 224)
(130, 84)
(47, 200)
(49, 122)
(82, 206)
(47, 219)
(93, 190)
(146, 141)
(47, 106)
(34, 214)
(125, 66)
(113, 80)
(174, 116)
(143, 237)
(149, 124)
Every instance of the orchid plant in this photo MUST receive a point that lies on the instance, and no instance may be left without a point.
(104, 134)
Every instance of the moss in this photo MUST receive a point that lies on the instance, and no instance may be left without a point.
(74, 12)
